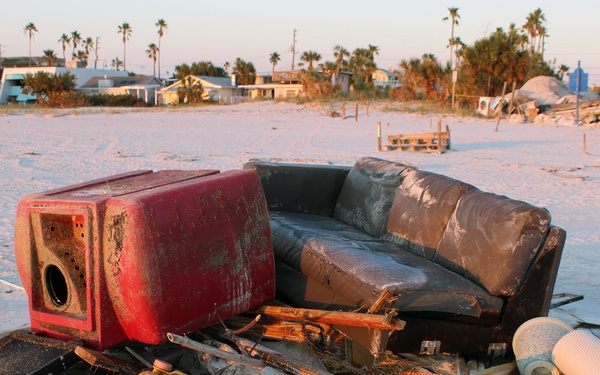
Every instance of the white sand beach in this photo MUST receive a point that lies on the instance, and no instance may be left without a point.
(541, 164)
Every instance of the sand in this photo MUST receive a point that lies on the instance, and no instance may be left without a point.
(542, 164)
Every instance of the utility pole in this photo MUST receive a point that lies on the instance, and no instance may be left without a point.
(96, 52)
(293, 49)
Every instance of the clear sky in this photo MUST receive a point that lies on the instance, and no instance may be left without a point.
(220, 31)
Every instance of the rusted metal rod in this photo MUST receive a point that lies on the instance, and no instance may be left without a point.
(194, 345)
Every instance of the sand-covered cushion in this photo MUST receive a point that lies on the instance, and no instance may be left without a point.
(368, 193)
(492, 240)
(359, 268)
(422, 207)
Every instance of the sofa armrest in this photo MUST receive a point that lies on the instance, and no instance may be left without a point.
(306, 188)
(533, 298)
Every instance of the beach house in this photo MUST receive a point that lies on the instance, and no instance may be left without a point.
(11, 90)
(220, 89)
(140, 86)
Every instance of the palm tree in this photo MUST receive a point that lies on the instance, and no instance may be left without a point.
(227, 65)
(49, 58)
(454, 16)
(31, 29)
(153, 52)
(116, 63)
(534, 26)
(310, 57)
(162, 26)
(88, 44)
(81, 56)
(339, 53)
(362, 65)
(562, 69)
(64, 40)
(273, 59)
(75, 38)
(244, 71)
(125, 29)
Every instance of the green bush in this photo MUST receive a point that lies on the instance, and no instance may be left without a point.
(109, 100)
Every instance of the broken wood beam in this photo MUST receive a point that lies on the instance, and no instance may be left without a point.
(341, 318)
(384, 297)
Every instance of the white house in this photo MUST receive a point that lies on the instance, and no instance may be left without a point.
(384, 78)
(11, 89)
(285, 84)
(142, 87)
(221, 89)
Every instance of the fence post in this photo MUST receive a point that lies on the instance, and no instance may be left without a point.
(501, 103)
(439, 137)
(379, 136)
(356, 112)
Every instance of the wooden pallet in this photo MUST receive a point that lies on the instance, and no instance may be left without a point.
(425, 142)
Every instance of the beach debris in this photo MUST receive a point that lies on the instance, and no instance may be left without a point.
(107, 362)
(387, 322)
(543, 100)
(426, 142)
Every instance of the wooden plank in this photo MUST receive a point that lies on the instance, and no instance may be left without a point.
(349, 319)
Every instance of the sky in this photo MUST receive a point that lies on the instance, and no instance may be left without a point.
(222, 31)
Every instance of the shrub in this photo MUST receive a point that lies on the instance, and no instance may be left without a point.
(109, 100)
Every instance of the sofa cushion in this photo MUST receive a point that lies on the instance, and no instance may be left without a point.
(492, 240)
(422, 207)
(368, 193)
(360, 267)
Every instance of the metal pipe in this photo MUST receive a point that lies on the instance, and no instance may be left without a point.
(194, 345)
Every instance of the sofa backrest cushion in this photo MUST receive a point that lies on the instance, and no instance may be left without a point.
(492, 240)
(422, 207)
(368, 193)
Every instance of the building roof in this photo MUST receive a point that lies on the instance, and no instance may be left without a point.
(222, 82)
(206, 81)
(136, 80)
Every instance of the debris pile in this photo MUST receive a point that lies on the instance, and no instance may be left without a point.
(547, 100)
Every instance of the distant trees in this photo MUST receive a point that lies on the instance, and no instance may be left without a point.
(49, 58)
(273, 59)
(162, 26)
(55, 90)
(534, 26)
(30, 29)
(562, 69)
(454, 16)
(88, 45)
(362, 65)
(125, 30)
(200, 68)
(116, 63)
(496, 59)
(152, 53)
(340, 54)
(244, 71)
(310, 57)
(421, 79)
(81, 56)
(75, 39)
(64, 40)
(191, 91)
